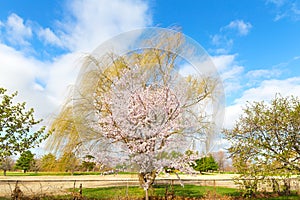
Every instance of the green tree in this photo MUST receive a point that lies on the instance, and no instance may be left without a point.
(206, 164)
(68, 162)
(16, 124)
(48, 163)
(25, 161)
(88, 163)
(266, 139)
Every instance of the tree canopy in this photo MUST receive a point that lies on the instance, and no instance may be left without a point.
(25, 161)
(206, 164)
(68, 162)
(48, 162)
(137, 106)
(17, 126)
(268, 135)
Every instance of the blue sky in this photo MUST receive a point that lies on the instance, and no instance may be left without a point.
(266, 43)
(254, 44)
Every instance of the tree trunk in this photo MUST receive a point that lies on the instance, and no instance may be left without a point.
(146, 180)
(149, 176)
(146, 194)
(4, 172)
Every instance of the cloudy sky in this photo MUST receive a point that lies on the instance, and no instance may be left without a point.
(255, 45)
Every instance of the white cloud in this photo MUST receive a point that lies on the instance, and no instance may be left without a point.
(186, 70)
(223, 62)
(16, 69)
(62, 74)
(49, 37)
(279, 17)
(85, 25)
(216, 39)
(285, 9)
(229, 71)
(276, 2)
(43, 84)
(263, 73)
(265, 87)
(295, 9)
(233, 73)
(268, 88)
(96, 21)
(240, 26)
(18, 73)
(296, 58)
(224, 39)
(232, 114)
(17, 31)
(266, 91)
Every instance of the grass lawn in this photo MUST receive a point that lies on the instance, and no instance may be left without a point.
(188, 191)
(191, 191)
(137, 192)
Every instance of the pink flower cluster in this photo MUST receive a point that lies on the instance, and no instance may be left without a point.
(145, 117)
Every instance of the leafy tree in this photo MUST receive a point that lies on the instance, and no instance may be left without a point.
(266, 139)
(6, 164)
(25, 161)
(206, 164)
(16, 127)
(88, 163)
(138, 106)
(48, 162)
(68, 162)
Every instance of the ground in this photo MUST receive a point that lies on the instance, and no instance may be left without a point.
(38, 185)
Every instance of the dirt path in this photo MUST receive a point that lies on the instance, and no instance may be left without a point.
(40, 185)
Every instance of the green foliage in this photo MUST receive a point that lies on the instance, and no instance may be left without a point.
(16, 123)
(25, 161)
(265, 141)
(88, 164)
(68, 162)
(49, 163)
(206, 164)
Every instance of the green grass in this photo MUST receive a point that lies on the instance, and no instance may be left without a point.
(188, 191)
(191, 191)
(112, 192)
(136, 192)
